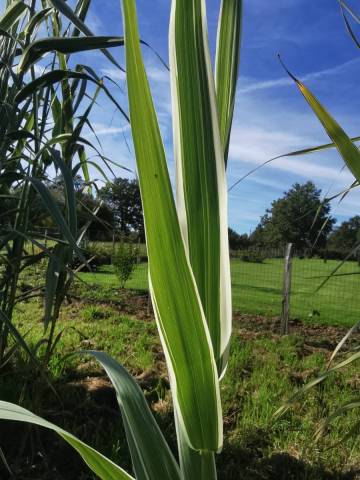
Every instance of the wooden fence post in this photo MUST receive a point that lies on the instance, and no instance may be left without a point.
(285, 311)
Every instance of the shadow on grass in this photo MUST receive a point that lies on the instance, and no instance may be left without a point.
(248, 461)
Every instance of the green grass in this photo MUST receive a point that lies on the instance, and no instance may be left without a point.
(263, 371)
(257, 288)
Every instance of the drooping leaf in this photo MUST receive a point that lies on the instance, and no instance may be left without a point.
(151, 455)
(343, 143)
(65, 45)
(56, 214)
(64, 8)
(98, 463)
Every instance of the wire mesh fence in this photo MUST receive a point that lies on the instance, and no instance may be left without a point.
(258, 279)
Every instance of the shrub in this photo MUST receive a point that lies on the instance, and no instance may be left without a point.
(124, 261)
(253, 256)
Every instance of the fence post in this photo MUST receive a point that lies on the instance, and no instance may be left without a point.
(113, 243)
(285, 311)
(138, 259)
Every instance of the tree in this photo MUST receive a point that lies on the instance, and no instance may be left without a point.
(122, 196)
(237, 241)
(345, 237)
(299, 217)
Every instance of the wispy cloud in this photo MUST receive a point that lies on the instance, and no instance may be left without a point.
(254, 145)
(102, 129)
(252, 85)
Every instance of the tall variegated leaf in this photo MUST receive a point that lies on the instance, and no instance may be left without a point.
(151, 455)
(347, 149)
(194, 465)
(201, 179)
(177, 305)
(99, 464)
(227, 65)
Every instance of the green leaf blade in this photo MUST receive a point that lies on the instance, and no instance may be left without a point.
(178, 309)
(348, 151)
(98, 463)
(201, 179)
(152, 458)
(227, 65)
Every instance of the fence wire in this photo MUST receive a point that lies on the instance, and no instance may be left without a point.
(257, 286)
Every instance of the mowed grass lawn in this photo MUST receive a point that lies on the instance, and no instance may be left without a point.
(257, 288)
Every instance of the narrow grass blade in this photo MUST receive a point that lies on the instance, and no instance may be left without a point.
(296, 153)
(12, 14)
(65, 45)
(350, 31)
(299, 394)
(56, 214)
(177, 305)
(151, 455)
(343, 341)
(36, 21)
(227, 65)
(70, 199)
(344, 145)
(55, 266)
(340, 411)
(64, 8)
(48, 79)
(98, 463)
(201, 179)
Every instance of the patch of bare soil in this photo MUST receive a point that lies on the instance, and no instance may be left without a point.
(316, 336)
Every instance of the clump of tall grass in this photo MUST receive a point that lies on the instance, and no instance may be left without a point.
(42, 117)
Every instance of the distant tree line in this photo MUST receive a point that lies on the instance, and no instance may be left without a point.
(300, 216)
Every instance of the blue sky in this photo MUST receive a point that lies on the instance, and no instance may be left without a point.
(271, 116)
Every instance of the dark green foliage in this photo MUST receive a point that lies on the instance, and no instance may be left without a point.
(299, 217)
(237, 241)
(253, 255)
(346, 236)
(123, 198)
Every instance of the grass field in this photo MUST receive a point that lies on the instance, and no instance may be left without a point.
(264, 369)
(257, 288)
